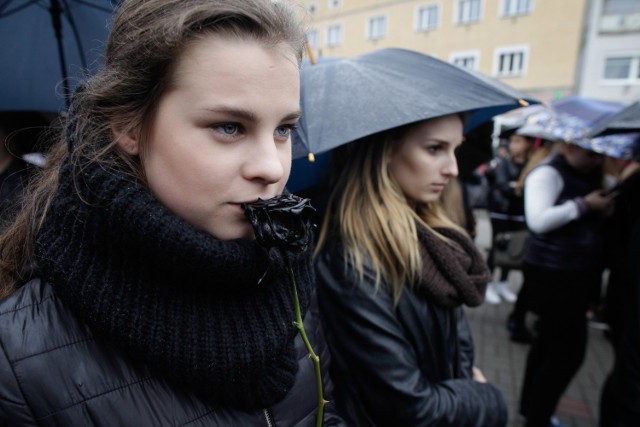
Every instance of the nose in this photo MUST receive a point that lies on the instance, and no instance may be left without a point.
(265, 161)
(450, 168)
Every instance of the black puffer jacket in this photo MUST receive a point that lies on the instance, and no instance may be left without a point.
(95, 385)
(405, 366)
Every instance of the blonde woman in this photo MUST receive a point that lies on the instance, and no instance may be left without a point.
(393, 274)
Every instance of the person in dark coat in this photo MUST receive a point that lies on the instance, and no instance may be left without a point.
(506, 208)
(620, 396)
(135, 291)
(565, 209)
(393, 276)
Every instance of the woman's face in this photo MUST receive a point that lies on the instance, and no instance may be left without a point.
(519, 146)
(581, 159)
(423, 161)
(221, 136)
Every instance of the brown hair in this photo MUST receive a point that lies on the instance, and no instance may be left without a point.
(146, 42)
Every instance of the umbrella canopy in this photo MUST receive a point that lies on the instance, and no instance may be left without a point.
(590, 111)
(574, 120)
(626, 120)
(620, 145)
(45, 44)
(347, 99)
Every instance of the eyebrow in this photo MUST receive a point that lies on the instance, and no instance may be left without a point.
(249, 115)
(442, 141)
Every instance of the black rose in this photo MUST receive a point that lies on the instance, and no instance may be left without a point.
(283, 221)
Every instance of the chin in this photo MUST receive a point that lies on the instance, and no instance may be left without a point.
(232, 232)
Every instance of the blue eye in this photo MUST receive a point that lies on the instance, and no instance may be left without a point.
(284, 131)
(227, 128)
(433, 149)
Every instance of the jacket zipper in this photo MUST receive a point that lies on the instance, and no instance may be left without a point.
(269, 418)
(451, 323)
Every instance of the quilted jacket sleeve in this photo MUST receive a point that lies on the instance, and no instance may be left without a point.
(377, 366)
(14, 410)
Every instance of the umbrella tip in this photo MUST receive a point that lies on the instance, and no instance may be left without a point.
(311, 157)
(523, 103)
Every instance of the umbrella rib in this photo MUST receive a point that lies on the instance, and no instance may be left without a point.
(94, 6)
(4, 13)
(76, 35)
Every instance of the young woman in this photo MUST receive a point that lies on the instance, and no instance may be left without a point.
(393, 274)
(134, 290)
(564, 206)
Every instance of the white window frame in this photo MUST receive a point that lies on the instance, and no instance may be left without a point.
(330, 42)
(474, 55)
(511, 50)
(418, 24)
(633, 78)
(464, 7)
(510, 8)
(376, 27)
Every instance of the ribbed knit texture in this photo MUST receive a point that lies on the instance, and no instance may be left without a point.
(170, 295)
(452, 275)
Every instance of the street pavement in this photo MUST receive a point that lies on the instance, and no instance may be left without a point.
(503, 361)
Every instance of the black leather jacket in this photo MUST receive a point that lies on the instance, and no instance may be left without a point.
(403, 366)
(55, 372)
(502, 197)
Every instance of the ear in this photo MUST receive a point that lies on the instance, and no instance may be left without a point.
(127, 141)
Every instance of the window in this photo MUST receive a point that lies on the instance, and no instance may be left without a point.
(427, 17)
(312, 39)
(468, 60)
(468, 11)
(516, 7)
(376, 27)
(312, 8)
(622, 69)
(511, 61)
(334, 35)
(620, 7)
(333, 4)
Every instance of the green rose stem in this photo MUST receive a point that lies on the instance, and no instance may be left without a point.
(314, 357)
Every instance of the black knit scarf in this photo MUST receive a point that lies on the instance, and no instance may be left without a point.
(189, 306)
(452, 274)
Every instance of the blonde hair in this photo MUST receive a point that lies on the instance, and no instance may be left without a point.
(535, 157)
(452, 202)
(368, 212)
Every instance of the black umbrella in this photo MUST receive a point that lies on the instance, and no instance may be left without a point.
(46, 43)
(626, 120)
(347, 99)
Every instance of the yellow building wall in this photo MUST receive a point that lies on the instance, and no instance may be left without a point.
(552, 31)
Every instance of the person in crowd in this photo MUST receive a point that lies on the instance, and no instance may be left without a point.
(506, 212)
(564, 209)
(615, 170)
(393, 276)
(134, 291)
(543, 148)
(620, 397)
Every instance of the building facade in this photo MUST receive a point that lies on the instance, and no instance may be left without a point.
(542, 47)
(611, 57)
